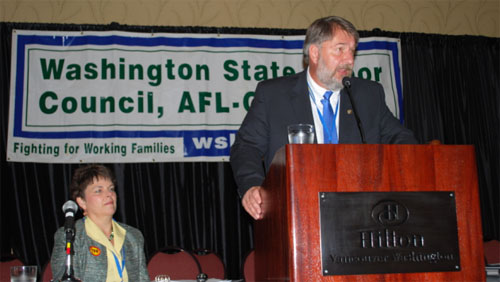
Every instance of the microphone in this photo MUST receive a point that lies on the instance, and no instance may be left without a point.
(346, 81)
(69, 209)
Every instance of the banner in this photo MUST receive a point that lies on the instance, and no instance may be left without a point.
(135, 97)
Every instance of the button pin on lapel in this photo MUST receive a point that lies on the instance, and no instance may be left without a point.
(95, 251)
(349, 112)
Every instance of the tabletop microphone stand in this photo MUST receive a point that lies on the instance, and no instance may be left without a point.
(69, 275)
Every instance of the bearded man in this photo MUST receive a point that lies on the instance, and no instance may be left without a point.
(313, 96)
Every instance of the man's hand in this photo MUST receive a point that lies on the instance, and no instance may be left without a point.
(252, 201)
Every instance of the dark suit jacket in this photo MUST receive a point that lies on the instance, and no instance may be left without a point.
(283, 101)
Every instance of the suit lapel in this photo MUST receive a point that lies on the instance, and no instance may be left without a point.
(348, 129)
(299, 98)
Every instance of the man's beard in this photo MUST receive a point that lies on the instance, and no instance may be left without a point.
(327, 77)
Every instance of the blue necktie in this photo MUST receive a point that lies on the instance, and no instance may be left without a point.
(329, 128)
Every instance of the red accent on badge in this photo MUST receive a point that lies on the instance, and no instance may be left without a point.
(95, 251)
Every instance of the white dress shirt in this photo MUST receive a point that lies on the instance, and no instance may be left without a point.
(315, 98)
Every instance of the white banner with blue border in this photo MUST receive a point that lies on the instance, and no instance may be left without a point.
(136, 97)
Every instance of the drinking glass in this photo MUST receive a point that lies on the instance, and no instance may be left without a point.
(162, 278)
(301, 134)
(24, 273)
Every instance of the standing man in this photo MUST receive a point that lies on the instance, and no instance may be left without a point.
(312, 96)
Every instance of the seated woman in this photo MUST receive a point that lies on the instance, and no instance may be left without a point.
(104, 250)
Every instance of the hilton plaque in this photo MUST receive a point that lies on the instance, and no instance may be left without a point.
(388, 232)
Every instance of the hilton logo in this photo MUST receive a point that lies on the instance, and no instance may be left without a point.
(389, 213)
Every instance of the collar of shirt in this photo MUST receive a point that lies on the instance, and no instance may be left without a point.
(318, 93)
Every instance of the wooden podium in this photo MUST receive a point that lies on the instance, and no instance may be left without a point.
(288, 238)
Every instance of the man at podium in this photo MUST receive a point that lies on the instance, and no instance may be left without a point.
(342, 109)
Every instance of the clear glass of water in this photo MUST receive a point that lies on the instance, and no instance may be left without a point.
(300, 133)
(162, 278)
(25, 273)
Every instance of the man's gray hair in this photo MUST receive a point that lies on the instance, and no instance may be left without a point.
(324, 29)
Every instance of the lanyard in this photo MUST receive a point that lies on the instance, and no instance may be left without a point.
(329, 131)
(122, 266)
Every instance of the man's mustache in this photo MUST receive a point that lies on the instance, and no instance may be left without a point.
(348, 67)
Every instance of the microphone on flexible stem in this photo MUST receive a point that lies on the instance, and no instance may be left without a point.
(69, 208)
(346, 81)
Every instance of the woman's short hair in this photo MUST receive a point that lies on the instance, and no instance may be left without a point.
(324, 29)
(86, 175)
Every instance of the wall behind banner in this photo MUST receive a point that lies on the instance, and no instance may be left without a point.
(467, 17)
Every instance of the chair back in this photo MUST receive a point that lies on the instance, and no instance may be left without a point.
(175, 262)
(47, 273)
(492, 252)
(211, 264)
(249, 267)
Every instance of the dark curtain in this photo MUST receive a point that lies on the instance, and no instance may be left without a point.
(451, 93)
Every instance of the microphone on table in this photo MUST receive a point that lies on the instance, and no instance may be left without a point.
(69, 208)
(346, 81)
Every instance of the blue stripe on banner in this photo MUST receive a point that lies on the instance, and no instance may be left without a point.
(19, 97)
(101, 134)
(158, 41)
